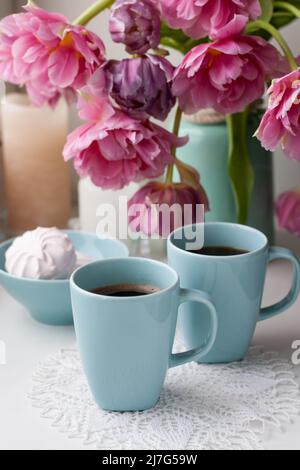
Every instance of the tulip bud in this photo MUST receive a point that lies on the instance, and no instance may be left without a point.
(160, 208)
(135, 23)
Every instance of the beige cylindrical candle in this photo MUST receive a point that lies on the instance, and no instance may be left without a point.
(37, 180)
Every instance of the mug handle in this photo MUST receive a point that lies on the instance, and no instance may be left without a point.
(191, 295)
(290, 299)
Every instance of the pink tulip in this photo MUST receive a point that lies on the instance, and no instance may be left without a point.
(114, 149)
(42, 51)
(288, 211)
(213, 18)
(280, 123)
(160, 208)
(226, 75)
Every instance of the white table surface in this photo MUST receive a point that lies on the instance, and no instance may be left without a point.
(27, 343)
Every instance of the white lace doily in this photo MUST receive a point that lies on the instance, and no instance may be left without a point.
(201, 408)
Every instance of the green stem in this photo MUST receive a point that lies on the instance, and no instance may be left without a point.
(170, 173)
(176, 128)
(93, 11)
(288, 7)
(239, 165)
(260, 24)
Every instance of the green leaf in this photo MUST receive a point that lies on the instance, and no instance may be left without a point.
(267, 10)
(281, 19)
(176, 39)
(175, 34)
(296, 3)
(172, 43)
(240, 168)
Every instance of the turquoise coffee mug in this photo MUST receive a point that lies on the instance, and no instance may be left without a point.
(235, 284)
(126, 343)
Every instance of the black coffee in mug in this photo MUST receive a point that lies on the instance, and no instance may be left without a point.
(219, 251)
(126, 290)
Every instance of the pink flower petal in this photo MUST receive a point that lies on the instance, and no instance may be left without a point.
(37, 50)
(227, 74)
(63, 67)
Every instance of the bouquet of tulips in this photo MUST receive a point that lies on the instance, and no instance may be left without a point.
(227, 61)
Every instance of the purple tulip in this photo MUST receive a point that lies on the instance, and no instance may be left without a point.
(142, 86)
(135, 23)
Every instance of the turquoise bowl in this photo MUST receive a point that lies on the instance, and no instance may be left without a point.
(49, 302)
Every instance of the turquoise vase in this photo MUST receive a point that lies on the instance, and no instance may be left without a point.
(207, 151)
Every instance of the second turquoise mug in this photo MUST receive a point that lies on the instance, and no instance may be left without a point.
(234, 283)
(126, 343)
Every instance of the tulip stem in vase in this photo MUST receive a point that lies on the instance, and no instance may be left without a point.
(93, 11)
(288, 7)
(176, 128)
(240, 167)
(260, 24)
